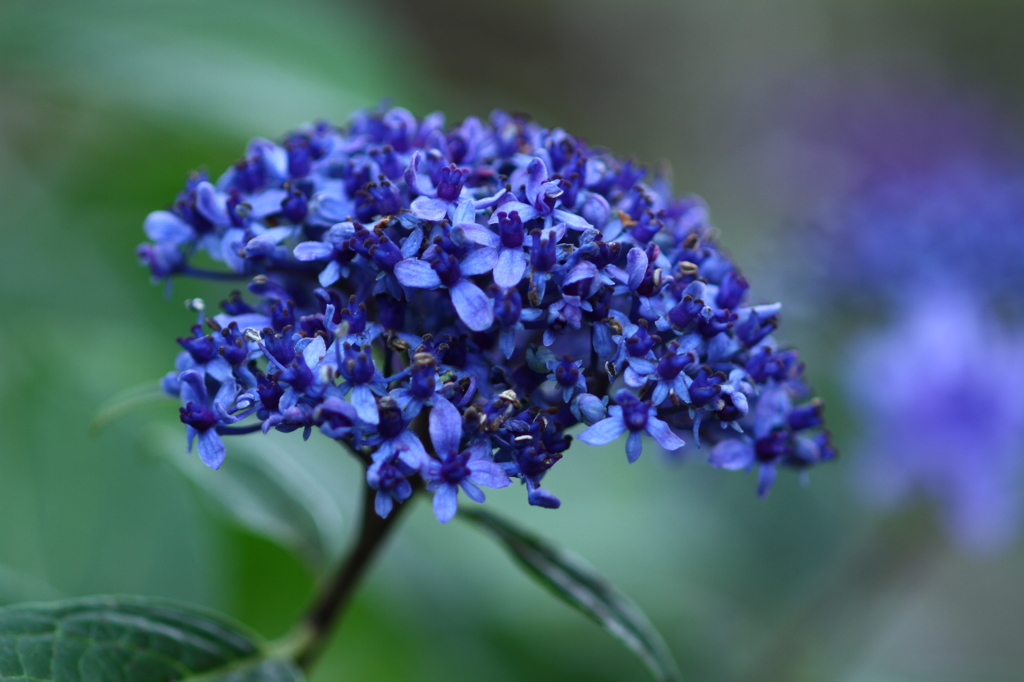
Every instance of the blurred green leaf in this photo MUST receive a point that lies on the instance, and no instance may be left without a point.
(130, 639)
(578, 584)
(274, 670)
(125, 402)
(243, 65)
(282, 494)
(16, 586)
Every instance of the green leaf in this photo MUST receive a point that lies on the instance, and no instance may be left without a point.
(290, 495)
(130, 639)
(578, 584)
(125, 402)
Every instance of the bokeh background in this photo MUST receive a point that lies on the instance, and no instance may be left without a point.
(104, 107)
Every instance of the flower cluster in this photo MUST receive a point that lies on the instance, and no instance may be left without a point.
(448, 302)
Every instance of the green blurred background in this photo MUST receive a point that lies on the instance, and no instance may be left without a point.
(104, 107)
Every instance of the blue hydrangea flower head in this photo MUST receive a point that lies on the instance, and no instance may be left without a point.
(450, 301)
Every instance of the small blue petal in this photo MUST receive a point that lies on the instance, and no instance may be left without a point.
(445, 502)
(733, 454)
(445, 427)
(211, 448)
(634, 446)
(604, 431)
(475, 309)
(417, 274)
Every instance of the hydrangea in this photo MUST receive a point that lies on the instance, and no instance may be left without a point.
(449, 302)
(947, 420)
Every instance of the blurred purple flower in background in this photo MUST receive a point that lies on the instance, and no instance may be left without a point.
(943, 413)
(923, 224)
(926, 185)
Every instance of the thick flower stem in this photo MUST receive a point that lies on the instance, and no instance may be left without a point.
(321, 618)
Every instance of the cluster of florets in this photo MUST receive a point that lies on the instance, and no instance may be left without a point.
(449, 302)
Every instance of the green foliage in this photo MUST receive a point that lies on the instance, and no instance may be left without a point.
(130, 639)
(578, 584)
(289, 495)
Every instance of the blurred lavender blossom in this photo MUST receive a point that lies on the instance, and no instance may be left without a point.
(924, 226)
(943, 413)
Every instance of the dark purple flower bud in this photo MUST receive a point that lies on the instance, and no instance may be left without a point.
(299, 157)
(386, 197)
(391, 424)
(567, 374)
(754, 329)
(234, 305)
(335, 417)
(534, 462)
(297, 375)
(355, 316)
(635, 412)
(234, 349)
(449, 186)
(390, 163)
(706, 386)
(201, 348)
(295, 207)
(733, 407)
(773, 447)
(270, 393)
(731, 290)
(601, 253)
(198, 417)
(357, 366)
(282, 314)
(447, 268)
(686, 312)
(807, 416)
(766, 365)
(671, 365)
(454, 469)
(508, 306)
(423, 376)
(720, 321)
(384, 253)
(645, 228)
(641, 342)
(510, 230)
(543, 253)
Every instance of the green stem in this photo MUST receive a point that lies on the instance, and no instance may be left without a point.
(323, 615)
